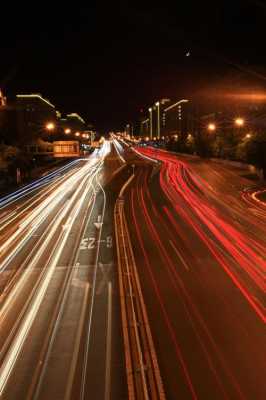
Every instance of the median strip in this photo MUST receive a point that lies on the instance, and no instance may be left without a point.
(143, 374)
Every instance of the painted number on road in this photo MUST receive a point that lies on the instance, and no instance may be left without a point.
(91, 244)
(87, 243)
(109, 242)
(84, 244)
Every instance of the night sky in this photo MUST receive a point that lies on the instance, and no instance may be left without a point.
(109, 60)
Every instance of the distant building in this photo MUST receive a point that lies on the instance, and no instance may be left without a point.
(177, 119)
(75, 122)
(33, 113)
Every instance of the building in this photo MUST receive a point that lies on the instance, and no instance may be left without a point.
(177, 119)
(34, 112)
(75, 122)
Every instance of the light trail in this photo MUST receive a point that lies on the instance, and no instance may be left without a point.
(27, 189)
(33, 219)
(75, 203)
(205, 273)
(174, 180)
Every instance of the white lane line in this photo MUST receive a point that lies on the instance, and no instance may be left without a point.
(107, 393)
(74, 361)
(85, 364)
(85, 303)
(179, 255)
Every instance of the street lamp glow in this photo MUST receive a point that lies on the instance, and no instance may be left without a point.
(50, 126)
(150, 111)
(67, 131)
(211, 127)
(157, 103)
(77, 134)
(239, 121)
(248, 136)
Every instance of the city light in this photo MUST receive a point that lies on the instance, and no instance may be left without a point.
(248, 136)
(77, 134)
(67, 131)
(211, 127)
(50, 126)
(239, 121)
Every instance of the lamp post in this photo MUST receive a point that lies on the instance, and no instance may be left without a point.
(158, 119)
(150, 111)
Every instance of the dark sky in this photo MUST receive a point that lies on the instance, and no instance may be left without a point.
(107, 60)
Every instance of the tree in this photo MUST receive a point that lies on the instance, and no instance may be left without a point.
(256, 151)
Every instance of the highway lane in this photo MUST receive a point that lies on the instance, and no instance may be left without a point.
(59, 317)
(200, 253)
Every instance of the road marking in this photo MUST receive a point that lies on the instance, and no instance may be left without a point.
(105, 269)
(99, 223)
(87, 344)
(108, 345)
(74, 360)
(179, 255)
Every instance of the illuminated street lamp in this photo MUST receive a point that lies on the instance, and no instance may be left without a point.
(248, 136)
(239, 121)
(77, 134)
(67, 131)
(158, 116)
(150, 111)
(50, 126)
(211, 127)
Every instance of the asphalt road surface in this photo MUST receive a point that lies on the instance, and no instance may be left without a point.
(60, 333)
(199, 242)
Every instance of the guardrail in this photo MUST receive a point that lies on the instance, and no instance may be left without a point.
(143, 374)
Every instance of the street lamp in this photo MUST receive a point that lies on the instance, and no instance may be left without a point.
(248, 136)
(50, 126)
(211, 127)
(77, 134)
(150, 111)
(158, 116)
(67, 131)
(239, 121)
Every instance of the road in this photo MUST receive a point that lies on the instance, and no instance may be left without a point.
(60, 330)
(199, 245)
